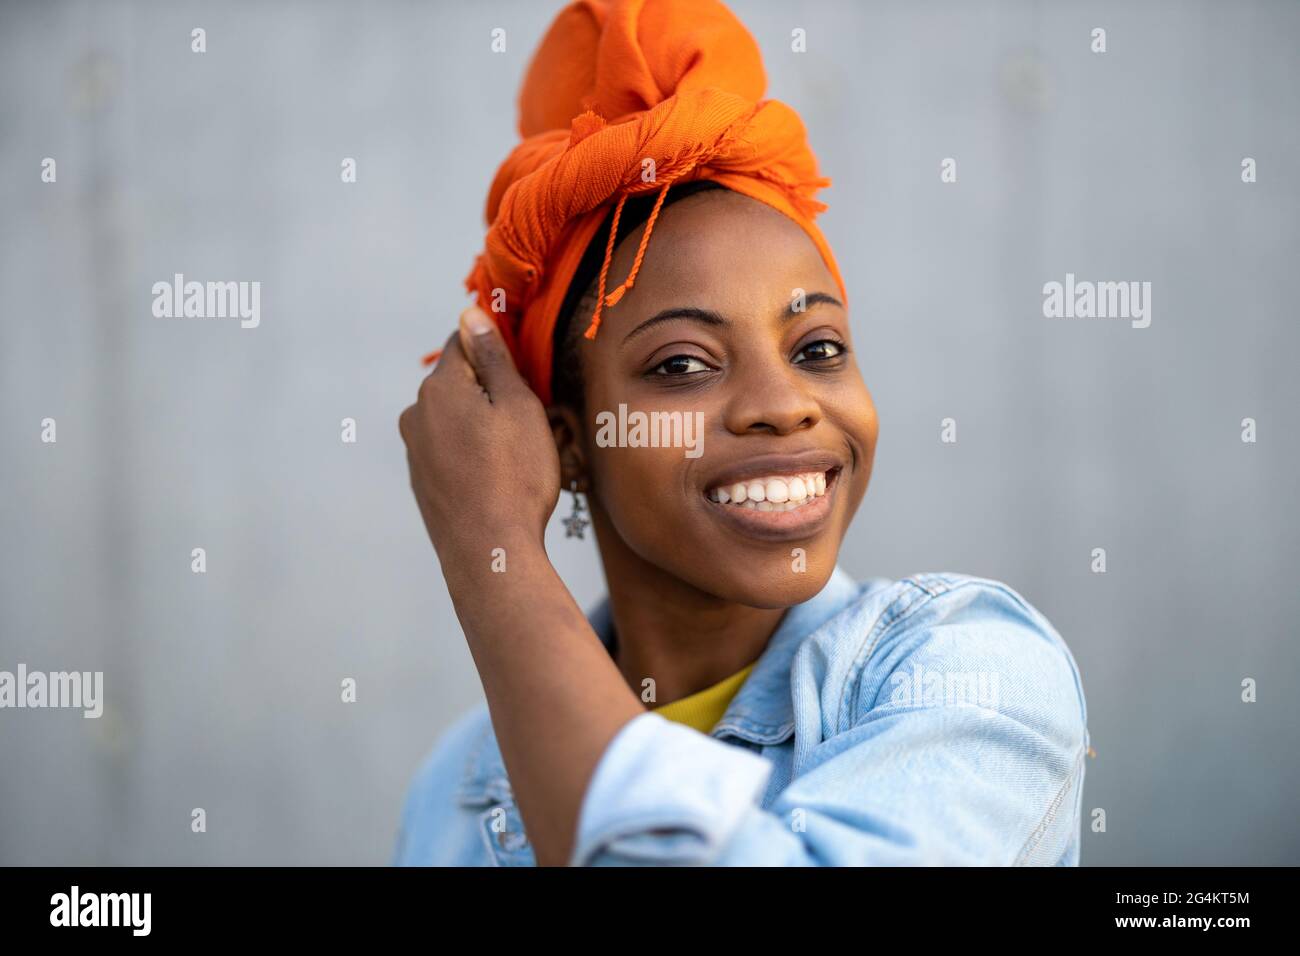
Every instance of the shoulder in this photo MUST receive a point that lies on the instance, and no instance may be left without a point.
(927, 637)
(966, 706)
(433, 796)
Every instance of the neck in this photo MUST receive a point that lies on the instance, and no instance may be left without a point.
(684, 638)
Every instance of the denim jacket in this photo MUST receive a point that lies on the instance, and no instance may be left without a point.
(939, 719)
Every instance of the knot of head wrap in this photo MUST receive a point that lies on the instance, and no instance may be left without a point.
(622, 99)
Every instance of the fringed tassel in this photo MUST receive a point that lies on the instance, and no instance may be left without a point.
(604, 270)
(617, 294)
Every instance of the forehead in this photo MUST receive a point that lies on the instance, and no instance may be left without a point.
(716, 246)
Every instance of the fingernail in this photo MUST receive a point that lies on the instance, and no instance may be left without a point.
(476, 321)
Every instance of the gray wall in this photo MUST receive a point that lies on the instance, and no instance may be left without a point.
(223, 688)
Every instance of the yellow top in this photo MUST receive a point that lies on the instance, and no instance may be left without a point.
(703, 709)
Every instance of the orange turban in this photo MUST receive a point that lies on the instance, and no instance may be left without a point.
(624, 98)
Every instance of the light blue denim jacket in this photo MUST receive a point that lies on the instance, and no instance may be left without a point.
(935, 720)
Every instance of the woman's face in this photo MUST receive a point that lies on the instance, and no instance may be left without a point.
(712, 333)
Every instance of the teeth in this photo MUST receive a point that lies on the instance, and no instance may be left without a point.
(778, 493)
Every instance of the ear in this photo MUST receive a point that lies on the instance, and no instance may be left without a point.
(567, 430)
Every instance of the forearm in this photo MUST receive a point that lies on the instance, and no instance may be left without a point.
(555, 697)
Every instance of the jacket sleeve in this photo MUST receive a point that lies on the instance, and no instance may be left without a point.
(902, 772)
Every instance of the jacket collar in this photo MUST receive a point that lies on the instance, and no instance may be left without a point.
(762, 712)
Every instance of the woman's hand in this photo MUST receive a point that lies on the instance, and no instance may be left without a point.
(483, 463)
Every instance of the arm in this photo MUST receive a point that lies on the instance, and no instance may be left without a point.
(486, 476)
(555, 696)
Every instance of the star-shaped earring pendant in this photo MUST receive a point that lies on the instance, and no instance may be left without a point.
(576, 524)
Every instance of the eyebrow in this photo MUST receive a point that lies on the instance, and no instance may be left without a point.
(709, 317)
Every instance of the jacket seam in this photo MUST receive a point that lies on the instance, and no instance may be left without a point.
(1049, 816)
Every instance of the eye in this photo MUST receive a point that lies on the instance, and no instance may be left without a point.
(819, 351)
(680, 365)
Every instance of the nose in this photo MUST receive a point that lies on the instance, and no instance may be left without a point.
(770, 398)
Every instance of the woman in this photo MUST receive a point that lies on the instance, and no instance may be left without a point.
(737, 699)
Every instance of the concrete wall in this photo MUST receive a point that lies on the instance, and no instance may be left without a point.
(223, 688)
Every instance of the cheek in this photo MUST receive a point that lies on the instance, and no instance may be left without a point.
(852, 410)
(640, 489)
(855, 412)
(869, 430)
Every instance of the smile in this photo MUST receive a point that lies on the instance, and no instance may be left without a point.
(778, 506)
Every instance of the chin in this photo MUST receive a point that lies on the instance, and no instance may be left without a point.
(769, 582)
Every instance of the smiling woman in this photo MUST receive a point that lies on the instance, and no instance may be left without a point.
(725, 598)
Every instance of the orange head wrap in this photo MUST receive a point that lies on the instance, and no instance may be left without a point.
(624, 98)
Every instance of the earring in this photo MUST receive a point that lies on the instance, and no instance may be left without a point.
(575, 524)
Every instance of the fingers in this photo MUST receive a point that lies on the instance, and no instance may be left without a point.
(474, 354)
(453, 360)
(481, 342)
(452, 366)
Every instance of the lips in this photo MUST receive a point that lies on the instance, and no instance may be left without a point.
(776, 497)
